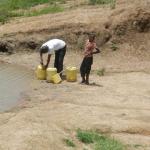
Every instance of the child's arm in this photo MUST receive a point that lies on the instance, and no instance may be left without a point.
(97, 51)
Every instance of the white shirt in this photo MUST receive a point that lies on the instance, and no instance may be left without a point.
(54, 45)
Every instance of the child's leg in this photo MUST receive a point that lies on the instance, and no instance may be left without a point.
(88, 69)
(82, 71)
(87, 79)
(87, 75)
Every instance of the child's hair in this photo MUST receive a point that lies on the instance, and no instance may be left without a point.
(91, 36)
(44, 49)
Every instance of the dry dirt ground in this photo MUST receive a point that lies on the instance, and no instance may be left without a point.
(117, 103)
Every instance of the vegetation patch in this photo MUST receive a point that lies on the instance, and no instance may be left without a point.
(100, 142)
(114, 46)
(85, 137)
(16, 8)
(24, 4)
(101, 72)
(69, 143)
(93, 2)
(50, 9)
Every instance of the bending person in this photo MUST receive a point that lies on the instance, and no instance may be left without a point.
(56, 46)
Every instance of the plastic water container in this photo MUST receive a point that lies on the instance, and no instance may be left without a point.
(56, 78)
(50, 72)
(40, 73)
(71, 74)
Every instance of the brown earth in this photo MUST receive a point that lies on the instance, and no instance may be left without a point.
(117, 103)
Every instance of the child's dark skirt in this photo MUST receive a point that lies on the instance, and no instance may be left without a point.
(85, 67)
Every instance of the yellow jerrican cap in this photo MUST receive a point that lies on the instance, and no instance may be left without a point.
(40, 67)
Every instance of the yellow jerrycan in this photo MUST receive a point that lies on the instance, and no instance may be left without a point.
(56, 78)
(50, 72)
(71, 74)
(40, 72)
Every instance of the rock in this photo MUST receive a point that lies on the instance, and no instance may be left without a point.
(5, 46)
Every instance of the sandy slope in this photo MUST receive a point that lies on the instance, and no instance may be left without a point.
(118, 104)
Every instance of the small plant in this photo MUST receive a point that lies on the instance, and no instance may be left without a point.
(69, 142)
(107, 143)
(98, 141)
(101, 72)
(114, 46)
(85, 137)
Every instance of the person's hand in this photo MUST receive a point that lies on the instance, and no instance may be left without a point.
(41, 63)
(45, 66)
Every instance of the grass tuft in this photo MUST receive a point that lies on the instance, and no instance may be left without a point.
(108, 144)
(85, 136)
(99, 141)
(102, 2)
(69, 142)
(101, 72)
(50, 9)
(114, 46)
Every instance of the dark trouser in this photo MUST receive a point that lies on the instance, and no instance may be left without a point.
(86, 66)
(59, 58)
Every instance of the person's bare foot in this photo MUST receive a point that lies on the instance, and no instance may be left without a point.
(82, 82)
(87, 82)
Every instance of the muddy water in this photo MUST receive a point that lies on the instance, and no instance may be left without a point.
(14, 82)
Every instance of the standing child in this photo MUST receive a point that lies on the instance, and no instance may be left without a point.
(90, 49)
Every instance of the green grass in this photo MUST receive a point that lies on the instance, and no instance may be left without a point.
(50, 9)
(85, 137)
(93, 2)
(69, 143)
(101, 72)
(9, 8)
(24, 4)
(114, 46)
(100, 142)
(108, 144)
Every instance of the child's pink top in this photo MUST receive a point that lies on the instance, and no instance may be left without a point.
(89, 47)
